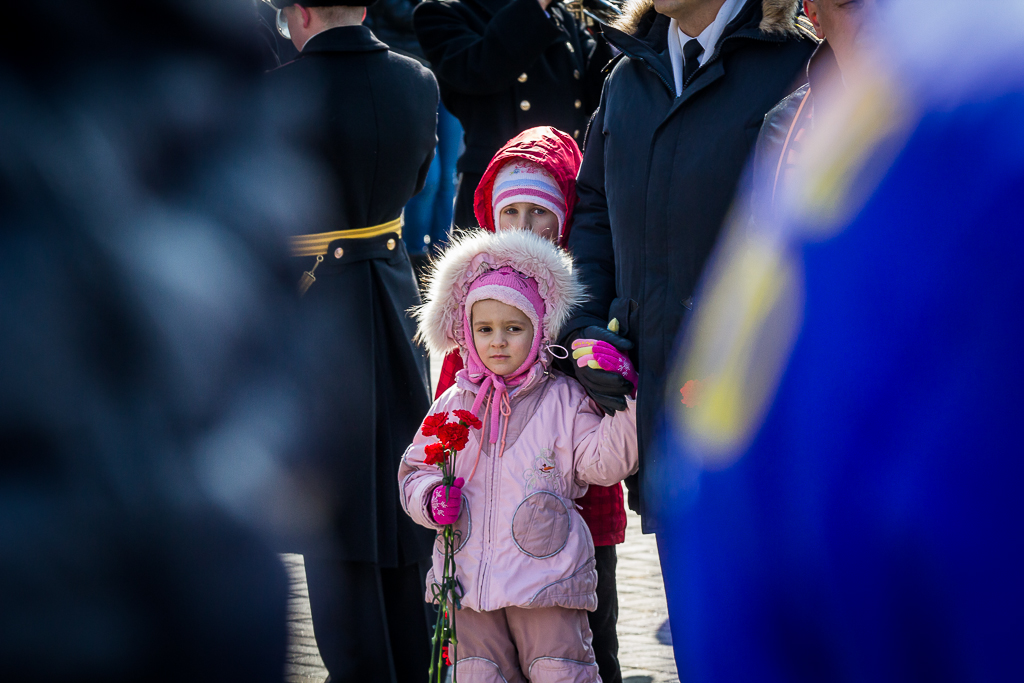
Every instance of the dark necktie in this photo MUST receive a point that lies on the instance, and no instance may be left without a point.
(691, 59)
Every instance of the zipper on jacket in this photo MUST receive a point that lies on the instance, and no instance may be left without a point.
(488, 545)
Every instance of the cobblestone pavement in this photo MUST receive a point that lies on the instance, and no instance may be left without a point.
(645, 646)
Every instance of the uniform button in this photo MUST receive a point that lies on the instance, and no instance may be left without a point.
(569, 45)
(426, 239)
(577, 104)
(576, 134)
(523, 77)
(576, 74)
(525, 105)
(391, 244)
(339, 252)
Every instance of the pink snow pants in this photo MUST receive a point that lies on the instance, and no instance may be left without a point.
(515, 645)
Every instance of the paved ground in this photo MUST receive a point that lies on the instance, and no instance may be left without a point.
(645, 645)
(644, 640)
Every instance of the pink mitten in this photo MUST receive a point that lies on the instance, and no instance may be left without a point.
(447, 511)
(601, 355)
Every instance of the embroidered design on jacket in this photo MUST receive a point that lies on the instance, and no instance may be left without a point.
(545, 475)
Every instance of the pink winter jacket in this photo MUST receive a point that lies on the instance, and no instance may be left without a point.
(523, 543)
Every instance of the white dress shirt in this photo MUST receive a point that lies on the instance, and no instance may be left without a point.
(708, 39)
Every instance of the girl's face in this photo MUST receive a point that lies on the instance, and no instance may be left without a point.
(502, 335)
(528, 216)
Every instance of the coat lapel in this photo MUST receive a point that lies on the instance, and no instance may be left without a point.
(635, 48)
(343, 39)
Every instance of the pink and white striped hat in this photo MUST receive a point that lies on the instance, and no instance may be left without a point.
(525, 181)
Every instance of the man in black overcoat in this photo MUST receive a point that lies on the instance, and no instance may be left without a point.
(678, 118)
(370, 116)
(504, 66)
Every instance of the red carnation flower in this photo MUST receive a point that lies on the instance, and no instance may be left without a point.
(435, 454)
(432, 423)
(453, 435)
(469, 418)
(692, 393)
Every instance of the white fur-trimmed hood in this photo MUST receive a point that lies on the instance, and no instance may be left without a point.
(472, 255)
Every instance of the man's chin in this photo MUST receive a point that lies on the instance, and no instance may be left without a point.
(667, 7)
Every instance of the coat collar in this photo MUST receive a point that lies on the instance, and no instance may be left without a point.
(822, 67)
(343, 39)
(487, 7)
(776, 17)
(642, 34)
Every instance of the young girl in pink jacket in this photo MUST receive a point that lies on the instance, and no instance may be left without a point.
(525, 559)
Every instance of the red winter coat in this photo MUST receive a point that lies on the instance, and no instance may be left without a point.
(601, 507)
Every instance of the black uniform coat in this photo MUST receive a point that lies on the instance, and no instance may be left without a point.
(658, 175)
(370, 116)
(503, 67)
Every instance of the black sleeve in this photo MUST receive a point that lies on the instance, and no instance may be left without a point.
(398, 13)
(767, 156)
(431, 101)
(590, 240)
(599, 53)
(477, 63)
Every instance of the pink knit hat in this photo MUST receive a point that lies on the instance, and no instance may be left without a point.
(512, 288)
(525, 181)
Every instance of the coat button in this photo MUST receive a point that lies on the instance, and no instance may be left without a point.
(522, 77)
(576, 74)
(391, 244)
(339, 252)
(576, 134)
(569, 45)
(577, 104)
(525, 105)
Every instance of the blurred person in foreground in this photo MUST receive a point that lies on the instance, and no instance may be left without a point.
(505, 66)
(371, 121)
(147, 354)
(847, 505)
(779, 149)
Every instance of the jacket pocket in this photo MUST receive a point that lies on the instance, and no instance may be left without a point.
(540, 525)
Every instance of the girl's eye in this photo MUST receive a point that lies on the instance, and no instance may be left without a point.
(514, 328)
(510, 211)
(538, 211)
(483, 330)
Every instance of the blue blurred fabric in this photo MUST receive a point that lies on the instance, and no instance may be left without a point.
(871, 529)
(429, 213)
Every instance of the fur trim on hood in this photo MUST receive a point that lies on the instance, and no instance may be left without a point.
(472, 255)
(779, 16)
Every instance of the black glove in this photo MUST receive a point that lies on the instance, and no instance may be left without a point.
(608, 389)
